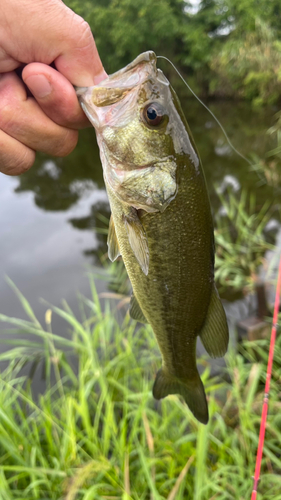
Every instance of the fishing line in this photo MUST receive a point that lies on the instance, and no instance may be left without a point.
(215, 118)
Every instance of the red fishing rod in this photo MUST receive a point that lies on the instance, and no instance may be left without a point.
(267, 386)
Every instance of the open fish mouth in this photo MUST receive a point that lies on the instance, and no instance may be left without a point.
(103, 103)
(120, 79)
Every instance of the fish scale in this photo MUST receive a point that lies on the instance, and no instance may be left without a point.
(169, 313)
(161, 221)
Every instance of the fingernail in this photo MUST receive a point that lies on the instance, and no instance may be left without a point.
(100, 77)
(39, 86)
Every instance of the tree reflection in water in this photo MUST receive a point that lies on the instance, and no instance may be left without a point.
(58, 184)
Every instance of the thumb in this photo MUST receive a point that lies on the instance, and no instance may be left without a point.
(80, 61)
(47, 31)
(55, 95)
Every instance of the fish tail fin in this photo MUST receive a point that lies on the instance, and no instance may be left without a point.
(192, 392)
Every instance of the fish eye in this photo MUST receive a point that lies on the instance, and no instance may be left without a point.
(154, 114)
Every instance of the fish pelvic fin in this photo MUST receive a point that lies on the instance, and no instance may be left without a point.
(214, 334)
(137, 239)
(112, 242)
(192, 392)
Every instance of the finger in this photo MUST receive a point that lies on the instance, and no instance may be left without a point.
(23, 119)
(80, 61)
(48, 31)
(15, 158)
(55, 95)
(7, 63)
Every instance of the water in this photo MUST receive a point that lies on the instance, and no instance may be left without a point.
(49, 214)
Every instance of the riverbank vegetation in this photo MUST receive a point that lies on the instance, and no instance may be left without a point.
(92, 430)
(225, 48)
(242, 240)
(96, 433)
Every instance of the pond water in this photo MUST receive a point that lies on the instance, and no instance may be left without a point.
(49, 214)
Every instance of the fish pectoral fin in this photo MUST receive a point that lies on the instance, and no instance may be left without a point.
(137, 240)
(112, 242)
(214, 334)
(135, 310)
(191, 390)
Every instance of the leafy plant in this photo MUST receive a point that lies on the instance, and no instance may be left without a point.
(270, 166)
(240, 241)
(249, 64)
(96, 433)
(225, 48)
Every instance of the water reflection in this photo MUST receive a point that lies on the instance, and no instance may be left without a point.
(55, 214)
(229, 181)
(59, 183)
(53, 211)
(97, 221)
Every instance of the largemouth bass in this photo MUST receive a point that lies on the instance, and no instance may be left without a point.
(161, 220)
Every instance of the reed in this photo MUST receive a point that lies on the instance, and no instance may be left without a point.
(97, 433)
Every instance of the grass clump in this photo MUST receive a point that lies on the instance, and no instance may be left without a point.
(241, 241)
(96, 432)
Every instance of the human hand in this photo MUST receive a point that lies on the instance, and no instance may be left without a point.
(37, 33)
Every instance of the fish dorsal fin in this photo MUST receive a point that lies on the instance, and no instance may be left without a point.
(112, 242)
(135, 310)
(214, 334)
(137, 239)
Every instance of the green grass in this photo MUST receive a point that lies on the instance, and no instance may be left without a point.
(97, 433)
(241, 242)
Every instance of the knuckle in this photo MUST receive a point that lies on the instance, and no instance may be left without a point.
(11, 97)
(82, 34)
(85, 30)
(19, 163)
(11, 116)
(26, 161)
(8, 111)
(66, 144)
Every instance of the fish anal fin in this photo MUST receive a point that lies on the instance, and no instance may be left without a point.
(135, 310)
(137, 240)
(192, 392)
(214, 334)
(112, 242)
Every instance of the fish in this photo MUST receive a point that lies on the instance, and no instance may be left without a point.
(161, 222)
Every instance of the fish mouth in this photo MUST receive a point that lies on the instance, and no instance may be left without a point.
(103, 109)
(96, 100)
(115, 79)
(87, 112)
(148, 57)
